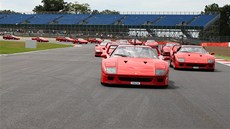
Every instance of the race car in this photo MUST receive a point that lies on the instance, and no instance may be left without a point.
(192, 57)
(10, 37)
(80, 41)
(134, 65)
(100, 47)
(135, 41)
(64, 39)
(165, 51)
(95, 40)
(40, 39)
(151, 43)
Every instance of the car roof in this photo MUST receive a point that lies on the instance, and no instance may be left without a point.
(190, 46)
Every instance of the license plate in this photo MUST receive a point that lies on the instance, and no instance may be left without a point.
(195, 67)
(135, 83)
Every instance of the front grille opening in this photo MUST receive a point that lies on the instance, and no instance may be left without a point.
(199, 65)
(137, 79)
(181, 64)
(160, 80)
(110, 78)
(211, 65)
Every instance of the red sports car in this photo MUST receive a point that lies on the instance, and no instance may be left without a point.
(135, 41)
(40, 39)
(134, 65)
(10, 37)
(100, 47)
(165, 51)
(192, 57)
(80, 41)
(95, 40)
(64, 39)
(151, 43)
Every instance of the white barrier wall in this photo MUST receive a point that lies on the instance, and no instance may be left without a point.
(31, 44)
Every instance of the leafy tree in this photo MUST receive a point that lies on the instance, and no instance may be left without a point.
(7, 12)
(213, 8)
(79, 8)
(95, 12)
(50, 5)
(225, 20)
(109, 12)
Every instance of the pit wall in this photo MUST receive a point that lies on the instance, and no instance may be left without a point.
(216, 44)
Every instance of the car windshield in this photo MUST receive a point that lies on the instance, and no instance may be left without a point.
(193, 49)
(135, 52)
(171, 44)
(151, 41)
(103, 43)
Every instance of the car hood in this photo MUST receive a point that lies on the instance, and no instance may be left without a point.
(137, 66)
(195, 57)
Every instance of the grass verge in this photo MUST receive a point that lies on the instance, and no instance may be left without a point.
(222, 57)
(10, 47)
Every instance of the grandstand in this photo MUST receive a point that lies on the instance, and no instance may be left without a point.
(175, 25)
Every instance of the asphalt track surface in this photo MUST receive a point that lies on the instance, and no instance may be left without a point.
(60, 89)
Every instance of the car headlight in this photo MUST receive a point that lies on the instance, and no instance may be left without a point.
(166, 50)
(98, 50)
(210, 61)
(180, 59)
(160, 72)
(111, 70)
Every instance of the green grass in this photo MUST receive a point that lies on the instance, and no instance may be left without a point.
(222, 57)
(10, 47)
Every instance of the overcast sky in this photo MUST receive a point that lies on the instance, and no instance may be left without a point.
(123, 5)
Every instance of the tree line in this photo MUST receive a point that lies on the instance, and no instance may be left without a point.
(69, 7)
(84, 8)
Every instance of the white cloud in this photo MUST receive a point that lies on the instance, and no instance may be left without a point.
(122, 5)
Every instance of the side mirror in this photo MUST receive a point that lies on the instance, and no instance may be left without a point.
(103, 56)
(212, 53)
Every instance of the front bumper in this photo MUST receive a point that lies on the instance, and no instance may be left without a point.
(134, 80)
(201, 66)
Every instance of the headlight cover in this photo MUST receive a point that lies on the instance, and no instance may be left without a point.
(111, 70)
(98, 50)
(180, 59)
(160, 72)
(210, 61)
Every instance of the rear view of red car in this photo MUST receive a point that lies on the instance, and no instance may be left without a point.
(10, 37)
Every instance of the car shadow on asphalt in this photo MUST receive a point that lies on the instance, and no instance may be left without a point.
(171, 86)
(198, 70)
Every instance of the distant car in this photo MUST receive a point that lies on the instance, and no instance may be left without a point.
(64, 39)
(10, 37)
(151, 43)
(122, 41)
(100, 47)
(40, 39)
(80, 41)
(135, 41)
(192, 57)
(165, 51)
(95, 40)
(134, 65)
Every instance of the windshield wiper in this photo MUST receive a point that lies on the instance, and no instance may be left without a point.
(122, 55)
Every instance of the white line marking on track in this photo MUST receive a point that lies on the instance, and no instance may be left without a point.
(222, 61)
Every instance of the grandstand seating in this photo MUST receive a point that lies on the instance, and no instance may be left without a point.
(69, 19)
(15, 18)
(101, 19)
(202, 20)
(44, 18)
(2, 15)
(173, 20)
(139, 19)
